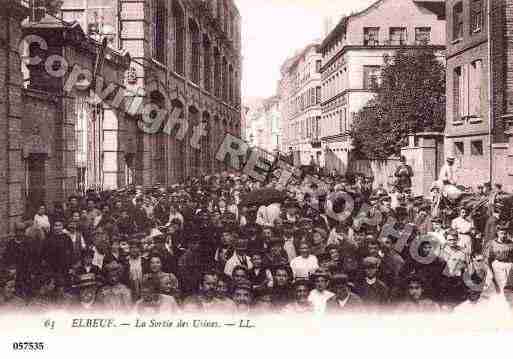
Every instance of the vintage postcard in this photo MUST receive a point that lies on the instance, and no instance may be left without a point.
(206, 175)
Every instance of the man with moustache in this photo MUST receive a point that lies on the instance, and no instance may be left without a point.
(207, 301)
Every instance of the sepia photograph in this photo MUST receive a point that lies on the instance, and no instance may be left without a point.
(180, 173)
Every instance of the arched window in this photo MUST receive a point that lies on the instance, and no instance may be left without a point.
(217, 73)
(179, 23)
(195, 39)
(207, 66)
(159, 30)
(230, 80)
(226, 21)
(237, 89)
(225, 79)
(220, 12)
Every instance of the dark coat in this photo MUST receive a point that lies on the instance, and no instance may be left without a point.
(58, 253)
(404, 173)
(353, 304)
(376, 294)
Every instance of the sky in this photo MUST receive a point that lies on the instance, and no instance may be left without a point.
(272, 30)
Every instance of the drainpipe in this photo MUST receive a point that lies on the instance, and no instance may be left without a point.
(490, 91)
(7, 19)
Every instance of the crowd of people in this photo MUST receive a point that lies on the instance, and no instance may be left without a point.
(199, 246)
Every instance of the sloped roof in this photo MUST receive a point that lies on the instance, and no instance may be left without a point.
(435, 6)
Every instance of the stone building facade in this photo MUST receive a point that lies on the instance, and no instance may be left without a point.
(186, 56)
(352, 55)
(263, 128)
(300, 93)
(39, 115)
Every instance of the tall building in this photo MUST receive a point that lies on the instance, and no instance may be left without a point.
(40, 154)
(353, 54)
(300, 94)
(263, 125)
(480, 90)
(186, 57)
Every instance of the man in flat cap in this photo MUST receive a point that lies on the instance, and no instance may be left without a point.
(300, 305)
(320, 294)
(276, 255)
(456, 261)
(114, 296)
(243, 297)
(240, 257)
(372, 291)
(87, 286)
(499, 254)
(206, 301)
(344, 301)
(20, 253)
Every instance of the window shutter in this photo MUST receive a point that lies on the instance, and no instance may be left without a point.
(476, 89)
(464, 86)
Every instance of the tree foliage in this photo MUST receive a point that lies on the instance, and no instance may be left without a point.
(410, 98)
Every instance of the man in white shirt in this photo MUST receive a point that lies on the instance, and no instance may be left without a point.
(447, 174)
(239, 258)
(320, 295)
(304, 265)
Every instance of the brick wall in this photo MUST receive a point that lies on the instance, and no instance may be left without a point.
(11, 167)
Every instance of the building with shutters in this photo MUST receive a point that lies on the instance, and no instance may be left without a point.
(300, 94)
(352, 56)
(480, 90)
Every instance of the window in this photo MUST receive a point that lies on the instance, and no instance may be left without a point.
(159, 27)
(467, 86)
(195, 52)
(398, 36)
(207, 67)
(317, 95)
(225, 80)
(476, 148)
(217, 73)
(475, 81)
(476, 15)
(179, 40)
(458, 93)
(459, 149)
(343, 121)
(371, 77)
(318, 65)
(371, 36)
(457, 18)
(230, 79)
(422, 35)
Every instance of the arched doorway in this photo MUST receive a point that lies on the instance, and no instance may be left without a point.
(35, 153)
